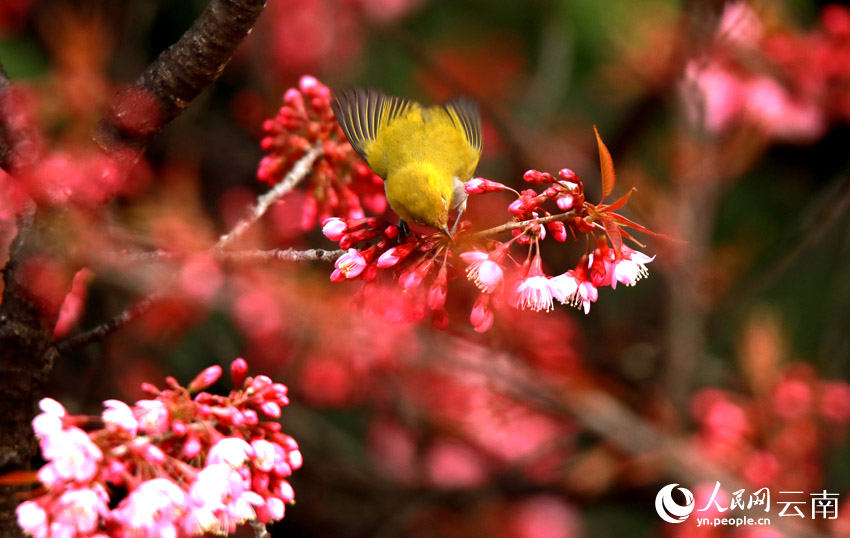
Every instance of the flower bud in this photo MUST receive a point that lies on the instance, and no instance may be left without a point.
(238, 370)
(334, 228)
(565, 202)
(205, 378)
(559, 231)
(537, 177)
(568, 175)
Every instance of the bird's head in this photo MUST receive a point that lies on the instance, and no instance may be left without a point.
(422, 195)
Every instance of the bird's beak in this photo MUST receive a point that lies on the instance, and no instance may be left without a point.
(445, 230)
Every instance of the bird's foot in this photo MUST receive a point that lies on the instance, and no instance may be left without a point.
(403, 231)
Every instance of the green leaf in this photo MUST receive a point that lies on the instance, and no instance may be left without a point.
(607, 166)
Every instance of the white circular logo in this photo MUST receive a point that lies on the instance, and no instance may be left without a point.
(668, 509)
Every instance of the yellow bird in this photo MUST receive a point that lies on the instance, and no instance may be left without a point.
(424, 154)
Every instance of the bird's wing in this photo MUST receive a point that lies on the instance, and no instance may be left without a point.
(464, 113)
(363, 113)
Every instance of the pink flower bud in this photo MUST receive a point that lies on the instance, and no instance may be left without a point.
(150, 389)
(518, 207)
(479, 185)
(270, 409)
(568, 175)
(238, 369)
(206, 378)
(388, 258)
(559, 230)
(437, 297)
(153, 454)
(293, 98)
(536, 177)
(250, 417)
(565, 202)
(481, 316)
(308, 83)
(192, 446)
(334, 228)
(178, 428)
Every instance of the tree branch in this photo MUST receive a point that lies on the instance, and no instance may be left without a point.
(519, 225)
(288, 255)
(179, 75)
(18, 139)
(296, 174)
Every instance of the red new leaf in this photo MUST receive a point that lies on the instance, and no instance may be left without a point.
(607, 166)
(614, 235)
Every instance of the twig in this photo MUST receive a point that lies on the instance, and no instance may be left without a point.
(298, 172)
(179, 75)
(281, 255)
(260, 530)
(507, 227)
(277, 254)
(104, 329)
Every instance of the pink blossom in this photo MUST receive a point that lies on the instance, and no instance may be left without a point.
(713, 96)
(231, 450)
(220, 500)
(631, 268)
(350, 264)
(545, 516)
(48, 423)
(835, 402)
(78, 511)
(587, 293)
(264, 455)
(452, 465)
(793, 399)
(483, 271)
(334, 228)
(72, 456)
(32, 518)
(118, 417)
(740, 25)
(533, 291)
(152, 509)
(564, 287)
(276, 508)
(152, 415)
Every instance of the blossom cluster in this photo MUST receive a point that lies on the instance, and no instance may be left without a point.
(773, 439)
(340, 183)
(785, 83)
(190, 462)
(421, 262)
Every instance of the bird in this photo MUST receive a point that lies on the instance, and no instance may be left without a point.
(425, 155)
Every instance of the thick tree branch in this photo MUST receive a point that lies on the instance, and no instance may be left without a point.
(180, 74)
(18, 140)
